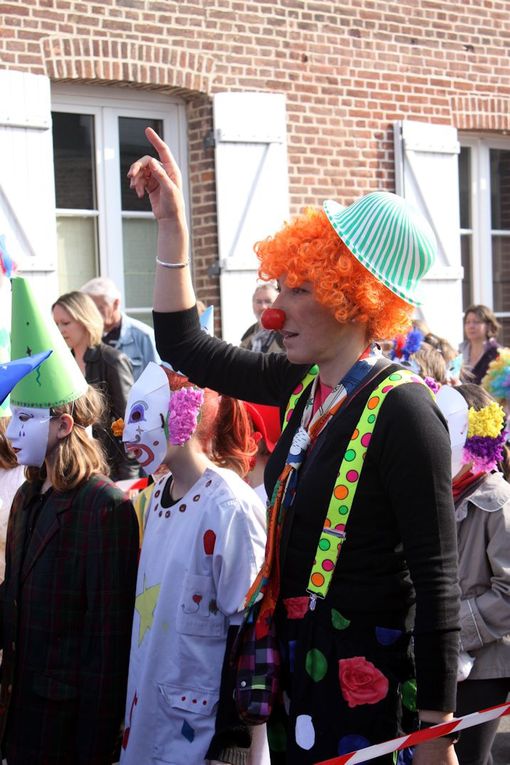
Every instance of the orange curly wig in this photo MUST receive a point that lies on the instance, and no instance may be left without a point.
(309, 250)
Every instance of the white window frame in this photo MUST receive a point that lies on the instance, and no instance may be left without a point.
(107, 105)
(481, 231)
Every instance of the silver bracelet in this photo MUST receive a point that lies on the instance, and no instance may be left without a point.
(172, 265)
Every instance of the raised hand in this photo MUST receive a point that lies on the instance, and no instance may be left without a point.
(162, 180)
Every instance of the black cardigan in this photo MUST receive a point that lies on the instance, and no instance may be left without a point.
(400, 548)
(111, 372)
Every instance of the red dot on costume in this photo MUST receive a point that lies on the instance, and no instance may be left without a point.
(341, 491)
(372, 403)
(327, 565)
(289, 414)
(298, 388)
(340, 527)
(365, 439)
(387, 388)
(352, 475)
(209, 540)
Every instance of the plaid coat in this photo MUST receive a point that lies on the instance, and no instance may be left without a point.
(67, 607)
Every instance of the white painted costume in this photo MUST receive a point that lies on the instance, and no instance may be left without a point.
(198, 559)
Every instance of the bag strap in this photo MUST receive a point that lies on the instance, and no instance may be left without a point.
(346, 484)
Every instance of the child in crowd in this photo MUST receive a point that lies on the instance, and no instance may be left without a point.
(12, 473)
(482, 508)
(203, 543)
(71, 557)
(266, 425)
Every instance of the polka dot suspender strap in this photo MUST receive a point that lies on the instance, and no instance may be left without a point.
(296, 393)
(342, 498)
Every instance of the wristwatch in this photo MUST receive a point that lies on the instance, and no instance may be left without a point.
(453, 736)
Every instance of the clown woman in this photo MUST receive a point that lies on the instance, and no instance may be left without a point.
(203, 543)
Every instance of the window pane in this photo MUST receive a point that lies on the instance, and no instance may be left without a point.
(500, 188)
(73, 149)
(465, 186)
(467, 280)
(139, 242)
(133, 145)
(77, 252)
(504, 332)
(501, 272)
(145, 316)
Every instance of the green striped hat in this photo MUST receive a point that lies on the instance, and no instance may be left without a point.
(389, 237)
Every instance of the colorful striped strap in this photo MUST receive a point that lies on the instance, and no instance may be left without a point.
(141, 505)
(346, 484)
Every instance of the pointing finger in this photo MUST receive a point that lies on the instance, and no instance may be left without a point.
(165, 156)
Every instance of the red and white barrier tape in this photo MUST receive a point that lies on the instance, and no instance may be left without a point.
(419, 736)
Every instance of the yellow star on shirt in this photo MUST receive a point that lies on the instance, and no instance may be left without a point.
(145, 604)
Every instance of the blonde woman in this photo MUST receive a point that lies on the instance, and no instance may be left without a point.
(107, 369)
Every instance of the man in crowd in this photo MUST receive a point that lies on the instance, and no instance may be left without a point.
(132, 337)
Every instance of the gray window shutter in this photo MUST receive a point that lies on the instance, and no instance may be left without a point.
(27, 186)
(252, 194)
(426, 169)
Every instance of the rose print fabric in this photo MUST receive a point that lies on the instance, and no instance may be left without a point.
(346, 685)
(361, 682)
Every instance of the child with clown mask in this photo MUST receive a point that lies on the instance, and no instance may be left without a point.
(71, 559)
(203, 543)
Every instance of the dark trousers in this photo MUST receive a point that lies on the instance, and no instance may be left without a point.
(474, 746)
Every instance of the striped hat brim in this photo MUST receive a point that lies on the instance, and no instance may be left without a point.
(389, 238)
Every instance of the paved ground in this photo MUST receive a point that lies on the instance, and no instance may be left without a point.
(501, 748)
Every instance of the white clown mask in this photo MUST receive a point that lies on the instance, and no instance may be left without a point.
(28, 432)
(146, 418)
(454, 407)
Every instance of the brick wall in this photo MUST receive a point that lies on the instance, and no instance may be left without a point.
(348, 68)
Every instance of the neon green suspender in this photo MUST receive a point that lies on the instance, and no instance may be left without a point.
(347, 480)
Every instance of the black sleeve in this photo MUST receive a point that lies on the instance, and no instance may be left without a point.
(416, 470)
(212, 363)
(230, 731)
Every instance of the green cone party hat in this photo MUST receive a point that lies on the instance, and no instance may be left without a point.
(389, 237)
(59, 380)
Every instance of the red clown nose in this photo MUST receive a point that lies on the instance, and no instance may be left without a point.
(273, 318)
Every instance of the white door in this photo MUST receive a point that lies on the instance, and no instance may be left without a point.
(252, 194)
(27, 187)
(426, 169)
